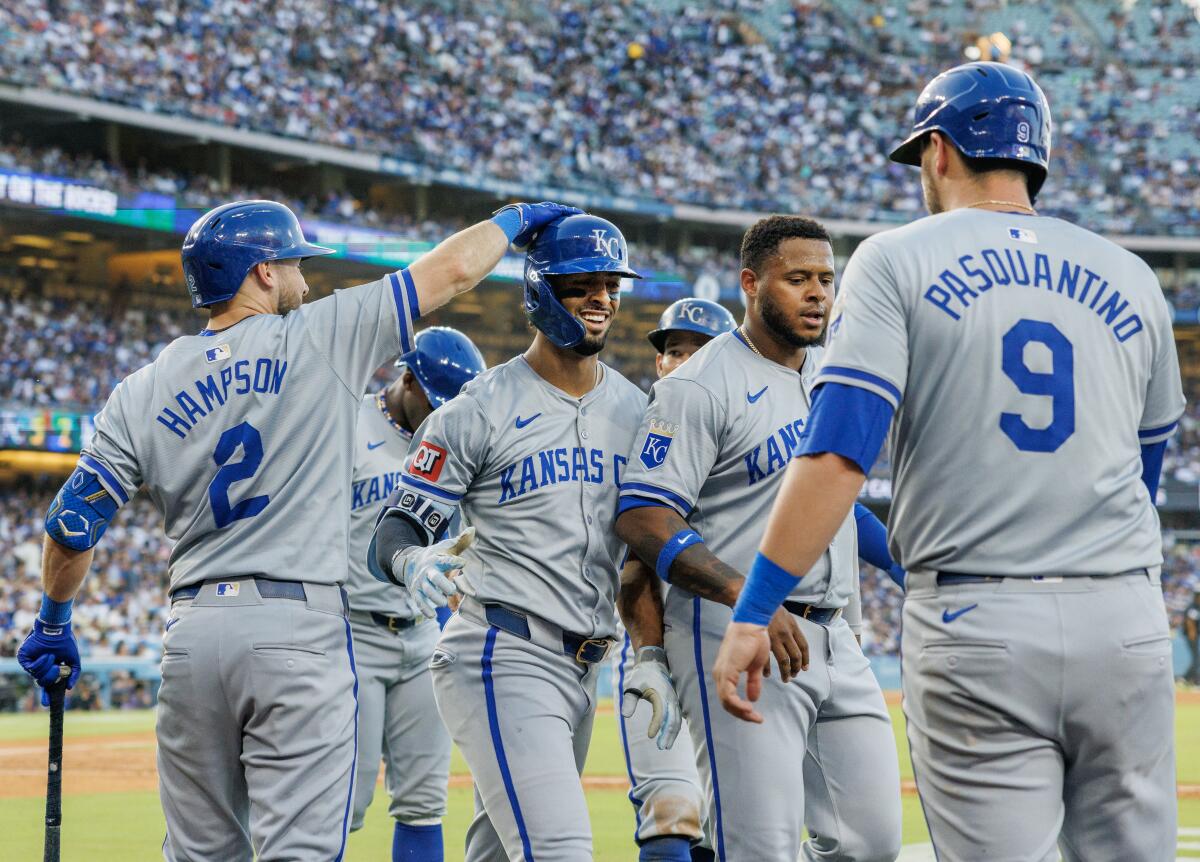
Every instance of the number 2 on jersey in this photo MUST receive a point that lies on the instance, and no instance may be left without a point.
(247, 436)
(1058, 384)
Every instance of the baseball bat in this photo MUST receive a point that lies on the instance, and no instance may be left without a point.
(57, 693)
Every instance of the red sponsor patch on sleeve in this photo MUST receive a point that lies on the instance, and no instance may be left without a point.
(427, 461)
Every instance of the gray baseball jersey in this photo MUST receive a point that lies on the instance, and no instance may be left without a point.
(379, 453)
(713, 445)
(537, 472)
(243, 438)
(1012, 346)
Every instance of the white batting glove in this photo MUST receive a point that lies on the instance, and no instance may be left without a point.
(650, 680)
(428, 573)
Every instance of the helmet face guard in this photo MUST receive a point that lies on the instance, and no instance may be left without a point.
(570, 245)
(225, 243)
(702, 316)
(988, 111)
(442, 360)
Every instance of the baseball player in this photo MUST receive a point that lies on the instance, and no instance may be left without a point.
(242, 436)
(393, 641)
(533, 452)
(706, 464)
(665, 790)
(1028, 372)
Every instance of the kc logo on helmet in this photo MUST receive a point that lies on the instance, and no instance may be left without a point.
(607, 245)
(694, 313)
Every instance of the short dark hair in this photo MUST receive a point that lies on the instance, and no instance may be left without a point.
(1034, 175)
(762, 239)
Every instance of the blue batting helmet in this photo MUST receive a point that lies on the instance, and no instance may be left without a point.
(224, 244)
(989, 111)
(577, 243)
(443, 360)
(692, 315)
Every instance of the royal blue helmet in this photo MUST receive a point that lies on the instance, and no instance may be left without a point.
(692, 315)
(224, 244)
(989, 111)
(443, 360)
(577, 243)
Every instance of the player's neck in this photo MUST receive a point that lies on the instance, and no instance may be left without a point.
(394, 402)
(772, 348)
(1000, 193)
(223, 315)
(562, 368)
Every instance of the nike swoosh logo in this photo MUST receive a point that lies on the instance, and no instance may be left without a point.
(521, 423)
(948, 617)
(171, 623)
(375, 445)
(752, 398)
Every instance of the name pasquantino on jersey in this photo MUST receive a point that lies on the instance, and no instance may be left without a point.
(556, 466)
(961, 283)
(780, 447)
(262, 376)
(374, 489)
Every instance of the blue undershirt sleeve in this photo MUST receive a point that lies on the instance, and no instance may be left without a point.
(849, 421)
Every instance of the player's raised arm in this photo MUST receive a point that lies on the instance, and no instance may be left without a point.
(464, 259)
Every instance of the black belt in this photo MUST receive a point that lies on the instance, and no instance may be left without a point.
(267, 588)
(950, 579)
(583, 650)
(395, 624)
(812, 613)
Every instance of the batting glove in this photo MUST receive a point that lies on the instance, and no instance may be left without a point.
(521, 222)
(426, 572)
(46, 647)
(650, 680)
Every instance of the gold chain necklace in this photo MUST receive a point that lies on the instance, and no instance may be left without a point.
(382, 402)
(749, 343)
(1012, 204)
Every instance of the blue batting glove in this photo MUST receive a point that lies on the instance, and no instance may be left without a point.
(46, 647)
(521, 222)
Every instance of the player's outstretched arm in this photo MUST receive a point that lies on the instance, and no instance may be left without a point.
(660, 537)
(463, 260)
(817, 492)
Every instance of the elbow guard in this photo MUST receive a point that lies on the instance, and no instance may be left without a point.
(81, 512)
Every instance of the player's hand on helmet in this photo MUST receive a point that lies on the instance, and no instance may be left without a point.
(650, 680)
(433, 574)
(47, 647)
(521, 222)
(788, 645)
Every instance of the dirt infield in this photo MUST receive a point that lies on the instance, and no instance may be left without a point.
(126, 762)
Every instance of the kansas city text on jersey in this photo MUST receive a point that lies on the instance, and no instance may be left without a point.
(962, 283)
(555, 466)
(780, 446)
(263, 376)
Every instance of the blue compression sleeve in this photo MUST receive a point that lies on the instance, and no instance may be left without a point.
(873, 545)
(1152, 461)
(848, 421)
(767, 585)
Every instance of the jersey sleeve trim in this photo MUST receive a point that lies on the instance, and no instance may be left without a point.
(1157, 435)
(862, 379)
(410, 289)
(431, 490)
(106, 477)
(655, 493)
(403, 317)
(629, 502)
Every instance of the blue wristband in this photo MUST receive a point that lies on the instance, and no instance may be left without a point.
(510, 221)
(672, 549)
(55, 613)
(766, 587)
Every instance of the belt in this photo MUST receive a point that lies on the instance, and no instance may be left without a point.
(395, 624)
(583, 650)
(812, 613)
(267, 588)
(949, 579)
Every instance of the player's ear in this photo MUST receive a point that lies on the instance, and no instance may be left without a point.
(749, 281)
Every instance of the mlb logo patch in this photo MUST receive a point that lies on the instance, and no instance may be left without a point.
(427, 461)
(658, 442)
(1021, 234)
(227, 589)
(218, 354)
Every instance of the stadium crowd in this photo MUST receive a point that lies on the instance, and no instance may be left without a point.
(759, 104)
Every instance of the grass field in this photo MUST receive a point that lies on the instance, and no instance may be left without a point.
(108, 822)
